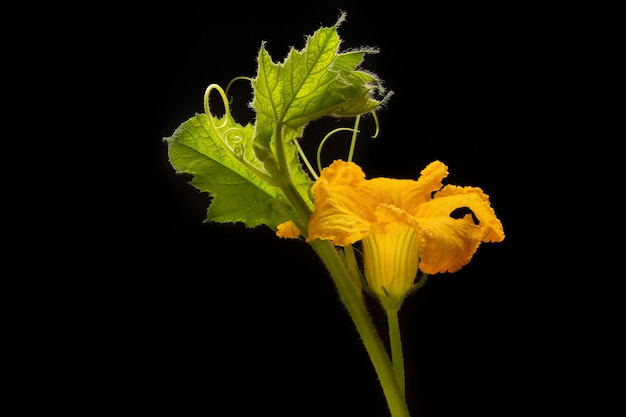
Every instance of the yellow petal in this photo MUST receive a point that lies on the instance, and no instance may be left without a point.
(410, 194)
(447, 244)
(288, 230)
(452, 197)
(390, 214)
(344, 205)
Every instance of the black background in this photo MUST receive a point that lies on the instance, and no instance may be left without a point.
(215, 319)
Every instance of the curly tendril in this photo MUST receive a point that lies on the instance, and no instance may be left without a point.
(207, 110)
(355, 131)
(328, 135)
(233, 138)
(236, 79)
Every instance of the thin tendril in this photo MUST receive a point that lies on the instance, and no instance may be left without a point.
(353, 141)
(237, 150)
(319, 148)
(207, 111)
(305, 159)
(376, 123)
(232, 81)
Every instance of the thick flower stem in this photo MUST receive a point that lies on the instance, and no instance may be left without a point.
(351, 297)
(397, 357)
(355, 305)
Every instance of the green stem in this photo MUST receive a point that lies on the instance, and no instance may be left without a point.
(355, 305)
(298, 203)
(397, 357)
(348, 292)
(286, 184)
(353, 267)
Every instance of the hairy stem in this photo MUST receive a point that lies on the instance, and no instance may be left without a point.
(355, 305)
(395, 341)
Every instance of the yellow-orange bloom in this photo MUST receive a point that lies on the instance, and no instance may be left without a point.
(403, 223)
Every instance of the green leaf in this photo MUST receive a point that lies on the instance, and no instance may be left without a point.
(249, 170)
(314, 82)
(238, 194)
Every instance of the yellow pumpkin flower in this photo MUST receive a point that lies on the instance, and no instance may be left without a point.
(403, 224)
